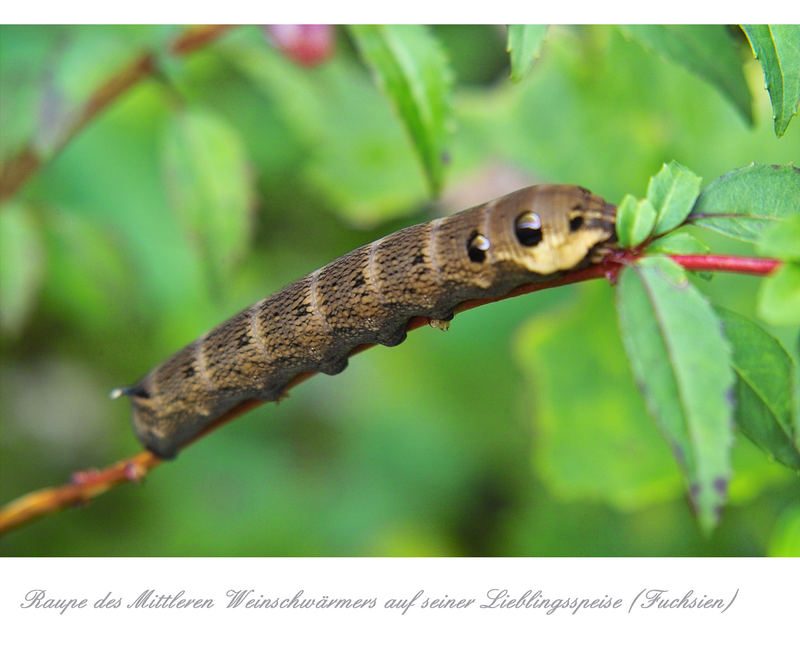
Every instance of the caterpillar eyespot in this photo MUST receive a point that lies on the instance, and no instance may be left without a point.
(529, 228)
(575, 223)
(477, 247)
(364, 297)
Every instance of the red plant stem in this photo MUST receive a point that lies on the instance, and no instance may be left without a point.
(86, 485)
(16, 171)
(727, 263)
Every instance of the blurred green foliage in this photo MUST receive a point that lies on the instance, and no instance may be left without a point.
(519, 432)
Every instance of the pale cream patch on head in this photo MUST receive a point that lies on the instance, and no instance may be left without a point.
(559, 248)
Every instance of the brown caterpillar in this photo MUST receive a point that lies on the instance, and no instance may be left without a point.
(367, 296)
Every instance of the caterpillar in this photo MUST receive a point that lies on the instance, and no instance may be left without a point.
(367, 296)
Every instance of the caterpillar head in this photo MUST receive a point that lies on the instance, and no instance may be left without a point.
(545, 229)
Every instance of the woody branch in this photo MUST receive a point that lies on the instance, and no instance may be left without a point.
(18, 169)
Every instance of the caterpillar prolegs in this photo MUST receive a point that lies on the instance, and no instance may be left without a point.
(367, 296)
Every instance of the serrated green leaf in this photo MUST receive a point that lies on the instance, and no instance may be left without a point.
(736, 226)
(208, 181)
(635, 220)
(672, 191)
(678, 243)
(752, 197)
(410, 66)
(643, 221)
(779, 296)
(782, 240)
(524, 45)
(592, 437)
(765, 375)
(626, 212)
(706, 50)
(777, 48)
(22, 262)
(681, 361)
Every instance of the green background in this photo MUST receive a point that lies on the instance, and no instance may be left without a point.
(518, 432)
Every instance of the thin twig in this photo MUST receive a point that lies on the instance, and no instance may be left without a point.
(86, 485)
(17, 170)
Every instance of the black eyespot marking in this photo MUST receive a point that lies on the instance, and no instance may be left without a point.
(188, 373)
(575, 223)
(477, 247)
(528, 228)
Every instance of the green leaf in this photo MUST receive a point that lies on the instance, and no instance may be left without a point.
(22, 265)
(681, 361)
(592, 437)
(626, 211)
(88, 270)
(678, 243)
(635, 220)
(707, 50)
(752, 198)
(524, 45)
(672, 191)
(779, 296)
(777, 48)
(765, 375)
(643, 221)
(208, 181)
(355, 153)
(782, 240)
(410, 66)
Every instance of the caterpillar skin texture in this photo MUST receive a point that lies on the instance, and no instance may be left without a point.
(367, 296)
